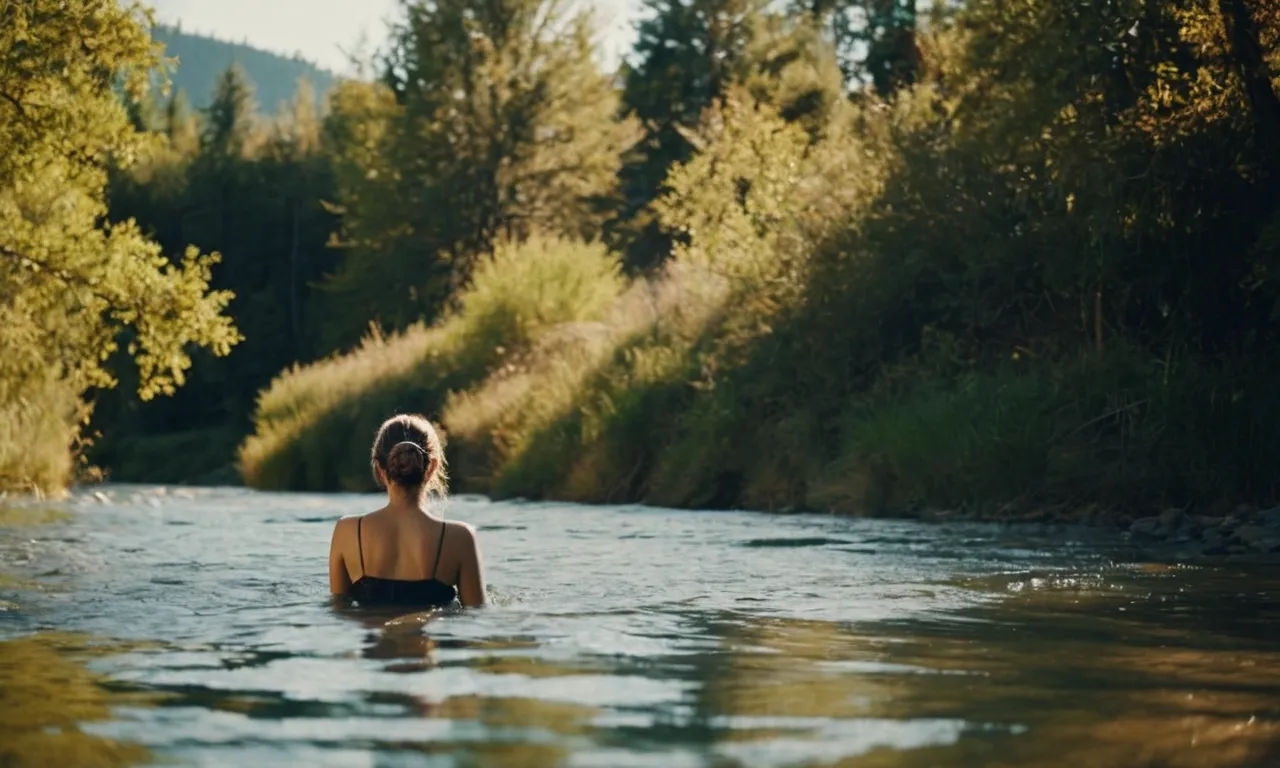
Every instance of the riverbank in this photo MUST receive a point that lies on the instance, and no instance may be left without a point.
(1243, 534)
(888, 308)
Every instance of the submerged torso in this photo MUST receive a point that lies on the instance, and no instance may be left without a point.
(376, 590)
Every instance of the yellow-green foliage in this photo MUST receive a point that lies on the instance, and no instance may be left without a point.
(39, 421)
(313, 423)
(903, 307)
(593, 417)
(70, 284)
(550, 425)
(526, 289)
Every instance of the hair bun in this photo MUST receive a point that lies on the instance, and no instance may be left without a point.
(407, 463)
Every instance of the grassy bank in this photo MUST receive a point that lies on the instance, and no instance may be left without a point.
(314, 424)
(617, 408)
(39, 426)
(1004, 289)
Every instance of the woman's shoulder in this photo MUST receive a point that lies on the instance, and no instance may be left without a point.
(460, 529)
(349, 521)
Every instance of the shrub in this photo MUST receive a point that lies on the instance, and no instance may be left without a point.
(305, 421)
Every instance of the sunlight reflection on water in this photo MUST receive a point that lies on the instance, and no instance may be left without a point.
(193, 626)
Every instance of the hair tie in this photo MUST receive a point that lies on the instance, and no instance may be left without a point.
(416, 447)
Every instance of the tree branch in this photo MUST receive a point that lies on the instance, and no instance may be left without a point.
(70, 278)
(22, 111)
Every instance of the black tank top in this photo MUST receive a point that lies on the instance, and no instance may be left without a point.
(419, 593)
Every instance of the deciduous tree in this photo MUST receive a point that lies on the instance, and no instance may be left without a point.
(72, 285)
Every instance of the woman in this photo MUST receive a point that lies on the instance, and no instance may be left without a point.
(402, 554)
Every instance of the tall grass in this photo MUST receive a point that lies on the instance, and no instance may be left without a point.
(313, 425)
(834, 332)
(584, 419)
(618, 404)
(1118, 428)
(39, 425)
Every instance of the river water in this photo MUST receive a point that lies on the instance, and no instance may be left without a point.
(193, 626)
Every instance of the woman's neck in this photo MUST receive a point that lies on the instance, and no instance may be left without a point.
(406, 501)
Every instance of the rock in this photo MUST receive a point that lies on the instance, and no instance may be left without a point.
(1270, 518)
(1205, 521)
(1268, 545)
(1145, 526)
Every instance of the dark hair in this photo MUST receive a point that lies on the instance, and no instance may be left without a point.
(404, 449)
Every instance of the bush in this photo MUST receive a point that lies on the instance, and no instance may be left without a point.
(900, 310)
(1119, 428)
(305, 421)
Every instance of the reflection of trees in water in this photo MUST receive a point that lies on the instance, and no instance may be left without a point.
(403, 639)
(46, 692)
(1135, 675)
(774, 667)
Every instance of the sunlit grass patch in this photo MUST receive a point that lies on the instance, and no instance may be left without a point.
(39, 424)
(313, 423)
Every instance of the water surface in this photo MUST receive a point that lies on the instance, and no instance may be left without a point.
(193, 626)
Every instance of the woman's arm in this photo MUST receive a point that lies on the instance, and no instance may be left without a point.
(471, 587)
(339, 579)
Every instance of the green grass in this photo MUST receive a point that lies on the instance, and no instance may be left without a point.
(1120, 429)
(39, 427)
(609, 399)
(314, 424)
(589, 411)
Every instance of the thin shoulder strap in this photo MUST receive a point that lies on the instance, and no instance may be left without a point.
(360, 544)
(444, 527)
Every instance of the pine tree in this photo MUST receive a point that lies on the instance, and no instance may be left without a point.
(230, 120)
(181, 125)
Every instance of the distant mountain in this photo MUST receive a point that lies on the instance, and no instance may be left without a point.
(201, 59)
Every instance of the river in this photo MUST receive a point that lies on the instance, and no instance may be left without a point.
(193, 626)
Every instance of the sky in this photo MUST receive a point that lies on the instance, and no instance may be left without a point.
(321, 30)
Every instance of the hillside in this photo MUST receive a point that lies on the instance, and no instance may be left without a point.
(201, 59)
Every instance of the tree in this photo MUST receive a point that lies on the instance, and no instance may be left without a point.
(181, 126)
(874, 39)
(497, 124)
(254, 193)
(230, 121)
(72, 285)
(689, 53)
